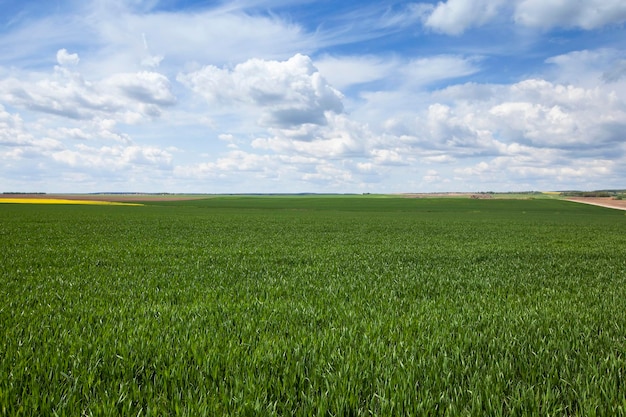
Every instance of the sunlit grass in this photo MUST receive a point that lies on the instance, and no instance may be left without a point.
(313, 306)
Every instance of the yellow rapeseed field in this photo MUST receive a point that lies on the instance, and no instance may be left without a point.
(63, 201)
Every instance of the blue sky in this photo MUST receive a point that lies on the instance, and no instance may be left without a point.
(312, 96)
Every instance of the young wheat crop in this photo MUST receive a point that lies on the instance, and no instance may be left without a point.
(341, 306)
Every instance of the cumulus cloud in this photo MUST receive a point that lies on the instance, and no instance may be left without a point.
(233, 161)
(389, 156)
(11, 130)
(67, 59)
(112, 158)
(341, 137)
(550, 173)
(616, 72)
(515, 129)
(249, 108)
(533, 134)
(534, 112)
(17, 142)
(238, 166)
(251, 169)
(126, 97)
(146, 87)
(288, 93)
(93, 130)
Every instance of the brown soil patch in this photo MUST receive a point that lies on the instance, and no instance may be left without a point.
(600, 201)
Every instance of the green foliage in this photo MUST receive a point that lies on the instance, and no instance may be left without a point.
(588, 193)
(327, 306)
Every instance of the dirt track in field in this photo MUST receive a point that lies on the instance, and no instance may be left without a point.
(600, 201)
(608, 202)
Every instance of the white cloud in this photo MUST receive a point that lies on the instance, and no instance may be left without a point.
(438, 159)
(243, 168)
(67, 59)
(150, 60)
(288, 93)
(582, 170)
(345, 71)
(20, 143)
(126, 97)
(146, 87)
(226, 137)
(602, 68)
(11, 129)
(616, 73)
(455, 16)
(195, 37)
(424, 71)
(233, 162)
(99, 95)
(552, 174)
(330, 174)
(16, 142)
(31, 42)
(564, 115)
(389, 157)
(482, 119)
(432, 176)
(114, 158)
(340, 138)
(406, 90)
(585, 14)
(517, 136)
(93, 130)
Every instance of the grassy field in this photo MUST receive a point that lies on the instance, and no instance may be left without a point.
(342, 306)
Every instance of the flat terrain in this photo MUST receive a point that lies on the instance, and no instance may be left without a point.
(600, 201)
(313, 306)
(110, 197)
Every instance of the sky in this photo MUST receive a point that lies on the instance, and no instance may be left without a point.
(277, 96)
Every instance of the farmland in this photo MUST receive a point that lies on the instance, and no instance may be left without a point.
(329, 306)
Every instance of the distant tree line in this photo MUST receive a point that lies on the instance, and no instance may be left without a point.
(601, 193)
(17, 192)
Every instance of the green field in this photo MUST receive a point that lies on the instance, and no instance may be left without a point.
(313, 306)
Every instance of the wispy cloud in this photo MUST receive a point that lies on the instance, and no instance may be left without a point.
(454, 17)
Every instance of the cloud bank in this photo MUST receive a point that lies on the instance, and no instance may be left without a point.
(404, 97)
